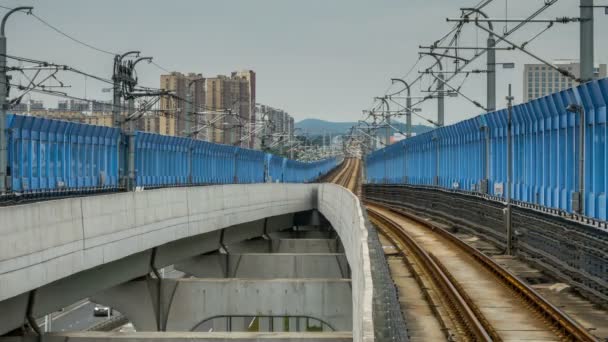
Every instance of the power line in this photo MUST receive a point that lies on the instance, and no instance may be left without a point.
(81, 42)
(160, 67)
(72, 38)
(58, 67)
(455, 35)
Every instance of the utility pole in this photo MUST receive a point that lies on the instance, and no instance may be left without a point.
(408, 107)
(491, 75)
(387, 117)
(586, 38)
(440, 100)
(188, 106)
(440, 91)
(486, 168)
(118, 77)
(578, 198)
(490, 63)
(131, 82)
(188, 110)
(509, 225)
(290, 146)
(4, 89)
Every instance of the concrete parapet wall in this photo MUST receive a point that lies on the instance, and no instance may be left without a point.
(341, 208)
(46, 241)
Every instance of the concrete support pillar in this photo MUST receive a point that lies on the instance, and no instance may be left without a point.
(187, 303)
(138, 301)
(293, 324)
(279, 324)
(266, 324)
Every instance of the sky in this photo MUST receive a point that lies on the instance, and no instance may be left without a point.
(323, 59)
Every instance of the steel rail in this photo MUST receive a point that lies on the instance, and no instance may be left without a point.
(566, 326)
(476, 327)
(347, 175)
(331, 176)
(338, 178)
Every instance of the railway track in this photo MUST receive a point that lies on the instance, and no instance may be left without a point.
(339, 174)
(463, 320)
(348, 175)
(480, 300)
(471, 296)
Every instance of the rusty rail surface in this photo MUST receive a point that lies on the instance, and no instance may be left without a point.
(474, 326)
(568, 328)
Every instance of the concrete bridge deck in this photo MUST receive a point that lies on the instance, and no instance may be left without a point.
(57, 252)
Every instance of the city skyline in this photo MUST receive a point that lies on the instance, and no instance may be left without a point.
(326, 70)
(446, 180)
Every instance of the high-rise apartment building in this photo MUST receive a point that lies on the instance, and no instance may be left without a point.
(79, 106)
(184, 87)
(152, 122)
(219, 105)
(102, 106)
(291, 126)
(71, 105)
(95, 118)
(175, 105)
(229, 101)
(19, 108)
(541, 80)
(36, 105)
(63, 105)
(31, 105)
(278, 126)
(248, 101)
(195, 92)
(222, 108)
(157, 123)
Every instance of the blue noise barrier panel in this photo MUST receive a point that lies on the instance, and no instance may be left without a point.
(545, 140)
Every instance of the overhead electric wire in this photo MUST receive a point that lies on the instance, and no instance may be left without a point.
(523, 45)
(71, 37)
(482, 4)
(456, 27)
(79, 41)
(547, 4)
(54, 66)
(160, 67)
(59, 67)
(87, 44)
(45, 64)
(123, 107)
(416, 114)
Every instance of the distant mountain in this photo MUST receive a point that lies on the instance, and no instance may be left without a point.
(318, 127)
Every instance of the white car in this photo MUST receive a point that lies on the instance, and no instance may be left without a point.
(102, 311)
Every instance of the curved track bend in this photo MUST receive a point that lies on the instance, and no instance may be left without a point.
(471, 296)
